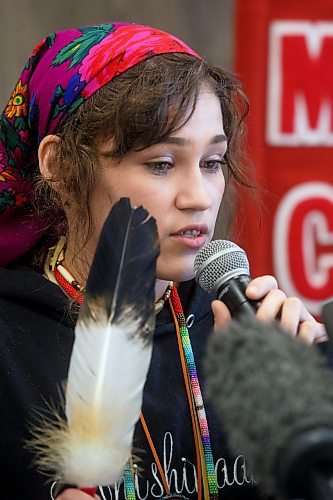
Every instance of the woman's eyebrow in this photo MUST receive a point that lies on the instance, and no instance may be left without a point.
(219, 138)
(180, 141)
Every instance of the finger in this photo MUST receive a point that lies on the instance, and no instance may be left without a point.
(320, 334)
(292, 313)
(271, 306)
(221, 314)
(297, 320)
(259, 287)
(307, 331)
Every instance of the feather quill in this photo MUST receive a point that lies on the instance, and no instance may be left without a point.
(110, 358)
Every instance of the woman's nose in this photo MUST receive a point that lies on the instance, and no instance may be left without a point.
(193, 193)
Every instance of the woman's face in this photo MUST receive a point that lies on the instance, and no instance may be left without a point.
(179, 181)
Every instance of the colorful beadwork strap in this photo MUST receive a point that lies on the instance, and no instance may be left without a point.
(129, 481)
(198, 400)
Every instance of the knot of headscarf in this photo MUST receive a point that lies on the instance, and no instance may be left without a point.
(64, 69)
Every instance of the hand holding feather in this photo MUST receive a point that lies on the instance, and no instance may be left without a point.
(110, 358)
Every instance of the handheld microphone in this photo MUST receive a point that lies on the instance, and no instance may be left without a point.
(274, 397)
(222, 268)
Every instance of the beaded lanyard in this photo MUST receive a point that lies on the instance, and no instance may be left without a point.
(207, 455)
(205, 463)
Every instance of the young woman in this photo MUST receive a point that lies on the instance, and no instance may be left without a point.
(100, 113)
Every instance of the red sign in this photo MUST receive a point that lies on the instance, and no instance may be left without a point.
(284, 55)
(303, 243)
(300, 83)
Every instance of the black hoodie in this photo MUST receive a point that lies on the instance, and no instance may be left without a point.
(36, 336)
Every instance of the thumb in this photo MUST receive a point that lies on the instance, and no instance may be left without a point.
(221, 314)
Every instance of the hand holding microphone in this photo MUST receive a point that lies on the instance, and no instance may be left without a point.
(222, 269)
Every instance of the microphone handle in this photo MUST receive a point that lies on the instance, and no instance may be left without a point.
(232, 294)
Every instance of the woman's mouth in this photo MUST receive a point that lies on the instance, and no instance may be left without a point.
(191, 237)
(191, 234)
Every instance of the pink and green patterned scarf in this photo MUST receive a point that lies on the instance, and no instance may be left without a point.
(66, 68)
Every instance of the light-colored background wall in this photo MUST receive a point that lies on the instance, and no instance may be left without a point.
(206, 25)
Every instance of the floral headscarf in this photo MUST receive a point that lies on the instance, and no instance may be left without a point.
(66, 68)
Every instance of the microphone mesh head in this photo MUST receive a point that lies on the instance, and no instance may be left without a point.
(219, 261)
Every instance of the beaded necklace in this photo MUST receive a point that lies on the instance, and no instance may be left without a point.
(207, 481)
(57, 273)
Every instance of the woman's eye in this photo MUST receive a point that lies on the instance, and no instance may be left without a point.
(159, 167)
(213, 166)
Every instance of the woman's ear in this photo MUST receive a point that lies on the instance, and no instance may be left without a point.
(46, 152)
